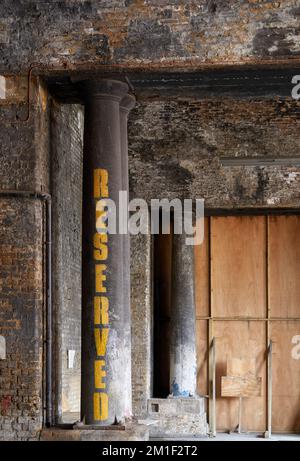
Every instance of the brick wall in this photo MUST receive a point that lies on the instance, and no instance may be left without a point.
(21, 310)
(176, 147)
(66, 179)
(141, 322)
(21, 264)
(150, 33)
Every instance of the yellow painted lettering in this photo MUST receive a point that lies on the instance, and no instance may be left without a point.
(100, 406)
(101, 216)
(100, 252)
(100, 183)
(101, 337)
(100, 278)
(100, 373)
(101, 310)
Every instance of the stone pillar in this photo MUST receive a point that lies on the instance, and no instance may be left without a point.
(106, 355)
(183, 371)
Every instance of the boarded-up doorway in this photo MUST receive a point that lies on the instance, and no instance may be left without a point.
(248, 294)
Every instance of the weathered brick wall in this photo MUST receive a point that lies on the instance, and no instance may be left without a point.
(66, 181)
(176, 147)
(21, 262)
(21, 302)
(148, 33)
(175, 150)
(24, 143)
(141, 322)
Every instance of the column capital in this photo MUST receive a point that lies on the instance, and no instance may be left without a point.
(101, 88)
(127, 103)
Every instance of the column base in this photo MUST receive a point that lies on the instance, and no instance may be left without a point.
(128, 432)
(177, 416)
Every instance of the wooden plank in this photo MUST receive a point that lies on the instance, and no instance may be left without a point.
(202, 356)
(241, 386)
(245, 340)
(270, 387)
(238, 271)
(212, 384)
(240, 366)
(286, 376)
(202, 274)
(284, 266)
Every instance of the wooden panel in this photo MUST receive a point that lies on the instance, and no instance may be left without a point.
(241, 386)
(202, 356)
(284, 266)
(245, 340)
(286, 376)
(241, 367)
(238, 266)
(202, 274)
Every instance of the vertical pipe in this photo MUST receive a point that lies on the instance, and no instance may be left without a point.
(270, 389)
(49, 358)
(212, 385)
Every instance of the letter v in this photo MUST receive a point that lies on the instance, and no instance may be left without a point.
(101, 336)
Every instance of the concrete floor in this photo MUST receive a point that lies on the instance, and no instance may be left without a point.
(247, 437)
(71, 417)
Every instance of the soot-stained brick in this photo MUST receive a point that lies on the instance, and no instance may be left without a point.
(147, 39)
(277, 42)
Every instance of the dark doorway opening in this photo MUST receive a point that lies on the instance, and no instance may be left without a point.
(162, 313)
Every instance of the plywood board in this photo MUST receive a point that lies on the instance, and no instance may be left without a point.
(202, 274)
(238, 266)
(284, 266)
(240, 366)
(202, 356)
(245, 340)
(286, 376)
(241, 386)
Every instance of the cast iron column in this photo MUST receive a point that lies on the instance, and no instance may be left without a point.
(183, 371)
(106, 355)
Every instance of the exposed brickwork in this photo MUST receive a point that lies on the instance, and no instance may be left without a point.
(23, 166)
(21, 301)
(146, 33)
(66, 141)
(175, 151)
(24, 150)
(176, 146)
(141, 322)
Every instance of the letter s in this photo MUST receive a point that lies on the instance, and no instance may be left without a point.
(296, 89)
(296, 349)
